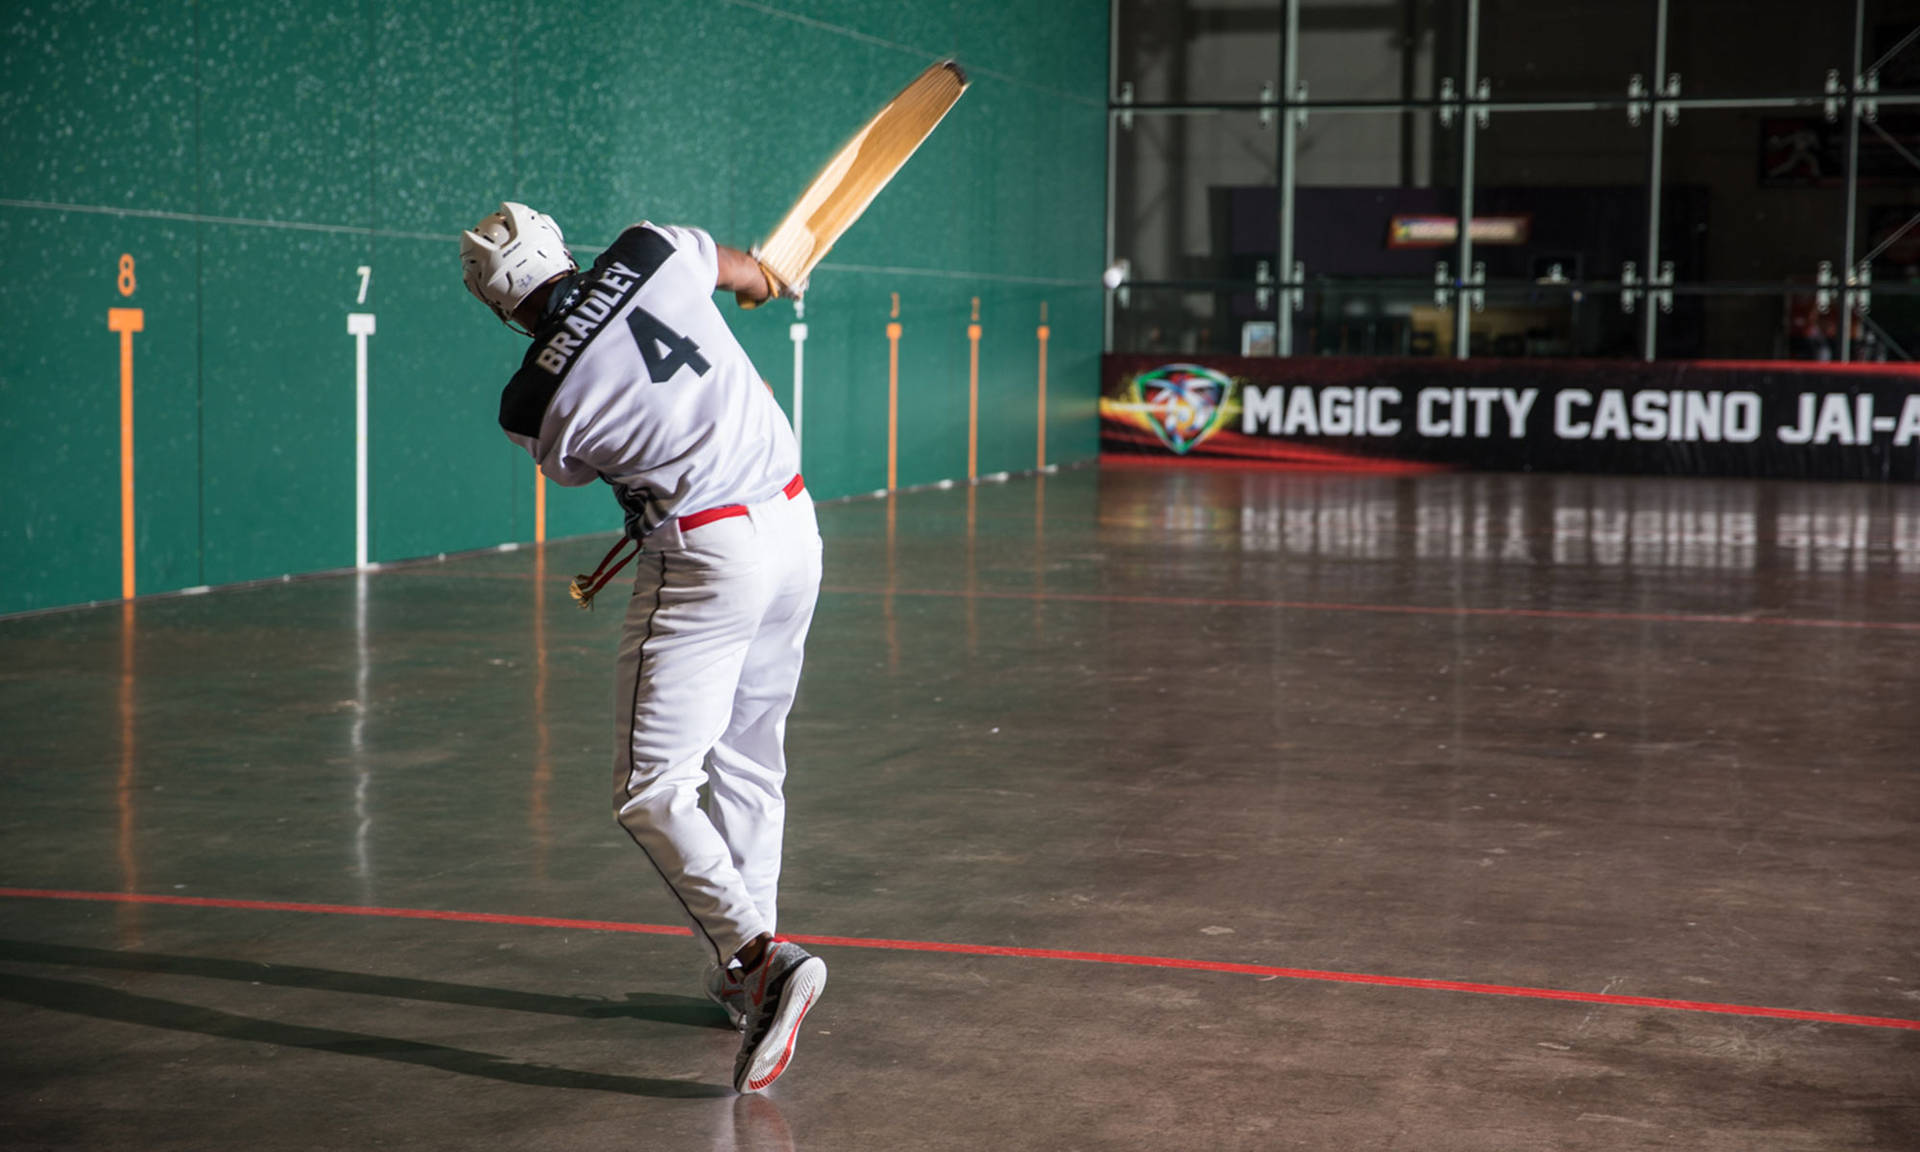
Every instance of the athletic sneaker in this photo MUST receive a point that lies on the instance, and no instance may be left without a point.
(724, 988)
(779, 990)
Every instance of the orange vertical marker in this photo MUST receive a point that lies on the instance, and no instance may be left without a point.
(1040, 457)
(893, 396)
(126, 321)
(539, 506)
(973, 393)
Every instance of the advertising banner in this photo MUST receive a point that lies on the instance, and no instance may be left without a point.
(1673, 418)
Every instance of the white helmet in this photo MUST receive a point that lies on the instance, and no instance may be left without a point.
(509, 254)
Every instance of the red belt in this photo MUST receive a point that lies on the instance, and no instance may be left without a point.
(694, 519)
(584, 587)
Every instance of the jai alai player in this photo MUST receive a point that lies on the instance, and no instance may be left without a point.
(634, 378)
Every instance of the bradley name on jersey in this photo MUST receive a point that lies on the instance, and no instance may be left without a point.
(603, 299)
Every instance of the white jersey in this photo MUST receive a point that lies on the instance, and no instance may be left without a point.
(636, 379)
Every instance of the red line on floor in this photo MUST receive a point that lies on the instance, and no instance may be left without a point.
(1264, 970)
(1395, 609)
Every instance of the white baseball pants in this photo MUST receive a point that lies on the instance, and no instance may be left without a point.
(709, 661)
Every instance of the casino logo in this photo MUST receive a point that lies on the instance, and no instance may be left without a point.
(1182, 404)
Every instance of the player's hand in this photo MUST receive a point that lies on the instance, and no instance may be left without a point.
(744, 275)
(780, 287)
(776, 287)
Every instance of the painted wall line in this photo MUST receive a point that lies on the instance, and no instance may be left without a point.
(961, 274)
(1115, 958)
(1091, 283)
(237, 221)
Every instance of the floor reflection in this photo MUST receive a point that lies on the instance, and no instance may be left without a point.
(543, 732)
(362, 764)
(128, 915)
(1643, 524)
(757, 1124)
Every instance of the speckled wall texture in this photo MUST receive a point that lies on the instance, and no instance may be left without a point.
(198, 199)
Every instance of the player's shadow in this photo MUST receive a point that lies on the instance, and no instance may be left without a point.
(127, 1007)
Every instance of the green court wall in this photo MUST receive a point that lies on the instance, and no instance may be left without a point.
(228, 169)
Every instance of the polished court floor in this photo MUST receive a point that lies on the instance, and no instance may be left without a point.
(1132, 809)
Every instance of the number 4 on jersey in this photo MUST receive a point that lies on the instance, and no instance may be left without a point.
(652, 336)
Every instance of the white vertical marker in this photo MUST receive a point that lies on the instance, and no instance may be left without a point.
(798, 331)
(360, 326)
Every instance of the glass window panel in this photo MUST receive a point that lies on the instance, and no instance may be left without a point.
(1220, 52)
(1185, 322)
(1361, 179)
(1892, 50)
(1753, 326)
(1375, 50)
(1758, 47)
(1372, 318)
(1535, 50)
(1188, 195)
(1887, 218)
(1566, 190)
(1889, 328)
(1548, 320)
(1732, 209)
